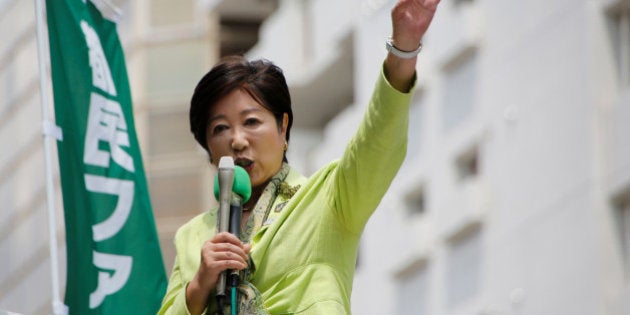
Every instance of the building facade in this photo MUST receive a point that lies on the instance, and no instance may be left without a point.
(513, 198)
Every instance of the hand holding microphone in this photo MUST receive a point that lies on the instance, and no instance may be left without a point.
(224, 251)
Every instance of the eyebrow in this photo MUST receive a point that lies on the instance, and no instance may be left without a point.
(242, 113)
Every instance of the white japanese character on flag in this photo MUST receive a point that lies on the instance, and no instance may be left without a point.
(106, 123)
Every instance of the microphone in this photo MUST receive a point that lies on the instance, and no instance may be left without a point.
(239, 194)
(232, 188)
(223, 182)
(241, 191)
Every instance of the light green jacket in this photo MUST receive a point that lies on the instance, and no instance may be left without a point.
(305, 258)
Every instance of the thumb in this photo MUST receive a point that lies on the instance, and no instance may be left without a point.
(247, 247)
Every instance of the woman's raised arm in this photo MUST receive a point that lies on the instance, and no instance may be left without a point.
(410, 20)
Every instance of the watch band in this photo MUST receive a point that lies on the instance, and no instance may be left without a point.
(389, 45)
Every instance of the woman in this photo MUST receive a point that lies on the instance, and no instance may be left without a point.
(300, 235)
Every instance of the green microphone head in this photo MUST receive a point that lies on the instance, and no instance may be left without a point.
(242, 185)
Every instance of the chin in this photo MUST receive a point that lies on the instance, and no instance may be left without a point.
(255, 181)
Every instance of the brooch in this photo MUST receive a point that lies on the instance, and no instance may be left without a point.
(287, 191)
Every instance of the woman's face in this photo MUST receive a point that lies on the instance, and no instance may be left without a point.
(242, 128)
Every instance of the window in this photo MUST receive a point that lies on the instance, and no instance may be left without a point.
(238, 35)
(416, 201)
(459, 91)
(464, 264)
(468, 164)
(413, 290)
(620, 22)
(239, 23)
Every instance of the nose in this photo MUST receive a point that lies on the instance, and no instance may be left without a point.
(239, 140)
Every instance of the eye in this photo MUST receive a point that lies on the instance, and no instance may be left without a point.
(218, 129)
(252, 121)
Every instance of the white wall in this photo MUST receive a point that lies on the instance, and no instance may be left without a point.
(550, 131)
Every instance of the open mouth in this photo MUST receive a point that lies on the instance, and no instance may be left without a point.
(244, 163)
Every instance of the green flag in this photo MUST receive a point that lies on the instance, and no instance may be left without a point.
(113, 255)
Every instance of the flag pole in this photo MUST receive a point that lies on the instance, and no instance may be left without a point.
(48, 129)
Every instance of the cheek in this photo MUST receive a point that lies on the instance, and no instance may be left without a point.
(216, 149)
(269, 144)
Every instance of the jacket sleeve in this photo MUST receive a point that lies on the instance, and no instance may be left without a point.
(174, 301)
(373, 156)
(188, 241)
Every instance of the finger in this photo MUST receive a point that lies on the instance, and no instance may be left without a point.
(225, 237)
(214, 268)
(231, 255)
(411, 19)
(217, 262)
(429, 4)
(222, 265)
(210, 249)
(247, 247)
(225, 260)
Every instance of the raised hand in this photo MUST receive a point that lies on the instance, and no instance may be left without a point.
(410, 20)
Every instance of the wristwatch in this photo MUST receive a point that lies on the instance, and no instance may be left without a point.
(389, 45)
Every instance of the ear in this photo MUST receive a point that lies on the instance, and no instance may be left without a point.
(285, 125)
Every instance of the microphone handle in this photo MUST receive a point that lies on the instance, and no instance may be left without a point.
(226, 180)
(236, 213)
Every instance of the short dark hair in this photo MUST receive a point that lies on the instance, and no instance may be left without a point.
(263, 80)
